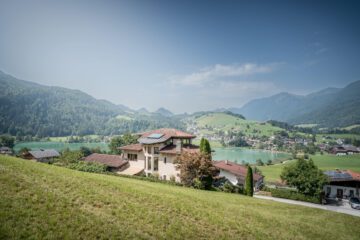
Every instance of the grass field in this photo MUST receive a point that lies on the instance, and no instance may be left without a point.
(40, 201)
(59, 145)
(324, 162)
(226, 122)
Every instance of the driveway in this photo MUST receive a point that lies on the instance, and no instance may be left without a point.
(345, 208)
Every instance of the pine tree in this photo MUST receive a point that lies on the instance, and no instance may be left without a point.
(249, 187)
(202, 145)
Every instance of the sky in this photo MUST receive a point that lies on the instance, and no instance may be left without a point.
(185, 56)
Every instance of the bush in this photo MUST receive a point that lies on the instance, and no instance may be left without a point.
(293, 195)
(88, 167)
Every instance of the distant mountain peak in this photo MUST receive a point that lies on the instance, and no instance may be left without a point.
(165, 112)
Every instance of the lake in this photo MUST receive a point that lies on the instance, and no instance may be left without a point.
(237, 154)
(59, 146)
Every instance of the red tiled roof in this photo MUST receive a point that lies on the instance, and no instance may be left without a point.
(132, 147)
(171, 149)
(236, 169)
(106, 159)
(169, 132)
(354, 175)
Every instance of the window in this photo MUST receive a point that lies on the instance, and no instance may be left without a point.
(149, 150)
(164, 177)
(149, 163)
(156, 150)
(132, 156)
(351, 193)
(156, 163)
(164, 159)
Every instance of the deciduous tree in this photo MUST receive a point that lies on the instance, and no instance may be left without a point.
(305, 176)
(196, 169)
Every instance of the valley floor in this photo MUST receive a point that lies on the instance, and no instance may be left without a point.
(40, 201)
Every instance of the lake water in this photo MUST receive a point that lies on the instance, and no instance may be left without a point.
(239, 155)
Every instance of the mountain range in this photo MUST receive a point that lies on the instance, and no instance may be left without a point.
(331, 107)
(29, 108)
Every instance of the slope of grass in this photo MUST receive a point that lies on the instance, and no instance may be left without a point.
(324, 162)
(40, 201)
(226, 122)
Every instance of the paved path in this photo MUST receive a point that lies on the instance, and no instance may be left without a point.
(340, 209)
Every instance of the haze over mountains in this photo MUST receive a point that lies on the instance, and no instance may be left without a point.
(29, 108)
(331, 107)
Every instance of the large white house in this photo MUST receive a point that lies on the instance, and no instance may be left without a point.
(156, 151)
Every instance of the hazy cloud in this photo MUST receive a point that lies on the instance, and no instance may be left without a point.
(220, 72)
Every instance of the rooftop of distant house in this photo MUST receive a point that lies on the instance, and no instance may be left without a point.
(342, 175)
(44, 153)
(115, 161)
(234, 168)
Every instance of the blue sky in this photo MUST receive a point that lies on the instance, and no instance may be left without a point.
(185, 55)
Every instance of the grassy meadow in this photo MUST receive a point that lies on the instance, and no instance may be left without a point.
(41, 201)
(324, 162)
(227, 122)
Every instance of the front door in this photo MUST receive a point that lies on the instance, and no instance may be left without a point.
(339, 193)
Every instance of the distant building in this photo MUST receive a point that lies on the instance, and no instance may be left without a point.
(113, 162)
(341, 150)
(42, 155)
(236, 173)
(6, 151)
(342, 184)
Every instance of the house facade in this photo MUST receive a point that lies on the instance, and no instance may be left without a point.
(157, 150)
(236, 173)
(342, 184)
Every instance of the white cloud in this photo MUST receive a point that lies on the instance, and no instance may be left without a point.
(221, 72)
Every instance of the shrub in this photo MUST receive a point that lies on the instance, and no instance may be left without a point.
(88, 167)
(291, 194)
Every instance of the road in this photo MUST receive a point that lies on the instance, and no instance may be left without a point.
(340, 209)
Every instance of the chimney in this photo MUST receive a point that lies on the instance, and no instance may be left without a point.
(226, 162)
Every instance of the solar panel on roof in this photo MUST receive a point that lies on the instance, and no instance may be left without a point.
(155, 135)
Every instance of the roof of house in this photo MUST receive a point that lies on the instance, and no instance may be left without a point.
(162, 135)
(106, 159)
(132, 147)
(344, 149)
(44, 153)
(342, 175)
(171, 149)
(5, 149)
(236, 169)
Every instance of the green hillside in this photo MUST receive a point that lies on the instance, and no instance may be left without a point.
(324, 162)
(29, 108)
(212, 122)
(40, 201)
